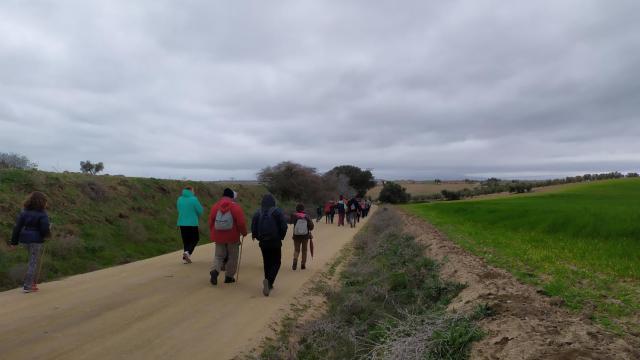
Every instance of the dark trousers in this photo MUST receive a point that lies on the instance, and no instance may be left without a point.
(271, 258)
(190, 237)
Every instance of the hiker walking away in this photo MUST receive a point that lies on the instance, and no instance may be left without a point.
(227, 224)
(367, 208)
(269, 227)
(226, 258)
(352, 211)
(342, 208)
(332, 211)
(189, 211)
(319, 213)
(302, 227)
(327, 212)
(31, 228)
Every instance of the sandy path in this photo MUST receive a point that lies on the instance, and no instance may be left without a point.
(157, 308)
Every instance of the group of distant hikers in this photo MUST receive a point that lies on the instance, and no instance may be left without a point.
(352, 209)
(227, 226)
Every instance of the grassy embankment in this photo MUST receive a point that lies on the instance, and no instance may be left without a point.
(581, 244)
(388, 302)
(100, 221)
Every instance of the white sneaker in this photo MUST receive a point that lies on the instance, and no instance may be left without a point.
(186, 259)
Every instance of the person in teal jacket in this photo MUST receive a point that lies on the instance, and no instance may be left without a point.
(189, 211)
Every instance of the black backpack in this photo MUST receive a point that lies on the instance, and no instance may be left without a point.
(267, 226)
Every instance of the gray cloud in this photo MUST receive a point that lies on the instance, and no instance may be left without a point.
(418, 89)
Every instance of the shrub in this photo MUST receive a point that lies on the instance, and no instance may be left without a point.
(394, 193)
(451, 195)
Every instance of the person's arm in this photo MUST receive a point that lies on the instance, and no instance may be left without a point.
(254, 225)
(309, 223)
(15, 235)
(241, 222)
(45, 227)
(282, 224)
(198, 207)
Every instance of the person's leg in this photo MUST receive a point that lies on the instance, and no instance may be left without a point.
(276, 259)
(296, 253)
(218, 257)
(34, 251)
(220, 253)
(265, 261)
(232, 265)
(192, 239)
(304, 243)
(184, 233)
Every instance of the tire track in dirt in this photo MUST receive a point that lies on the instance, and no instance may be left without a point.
(525, 324)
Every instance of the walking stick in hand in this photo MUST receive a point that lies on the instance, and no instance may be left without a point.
(239, 260)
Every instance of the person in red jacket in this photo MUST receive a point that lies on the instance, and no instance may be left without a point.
(226, 225)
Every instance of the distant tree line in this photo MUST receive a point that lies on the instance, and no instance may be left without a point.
(494, 185)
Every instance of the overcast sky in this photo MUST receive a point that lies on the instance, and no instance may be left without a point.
(412, 89)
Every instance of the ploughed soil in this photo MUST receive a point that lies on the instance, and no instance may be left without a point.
(524, 324)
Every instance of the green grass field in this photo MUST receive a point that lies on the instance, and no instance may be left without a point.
(581, 244)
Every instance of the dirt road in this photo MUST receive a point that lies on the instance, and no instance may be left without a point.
(157, 308)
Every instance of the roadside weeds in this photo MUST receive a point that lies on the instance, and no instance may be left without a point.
(381, 299)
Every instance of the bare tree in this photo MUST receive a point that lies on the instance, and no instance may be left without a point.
(16, 161)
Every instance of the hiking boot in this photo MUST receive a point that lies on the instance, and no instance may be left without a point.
(302, 267)
(229, 280)
(266, 287)
(214, 277)
(294, 266)
(27, 290)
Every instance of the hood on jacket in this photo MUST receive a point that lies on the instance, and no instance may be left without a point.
(187, 193)
(268, 201)
(225, 204)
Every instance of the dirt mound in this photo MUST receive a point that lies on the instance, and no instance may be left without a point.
(524, 324)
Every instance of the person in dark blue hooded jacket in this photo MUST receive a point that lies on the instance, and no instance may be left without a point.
(31, 228)
(269, 226)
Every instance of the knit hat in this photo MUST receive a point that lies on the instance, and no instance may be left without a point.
(300, 208)
(228, 193)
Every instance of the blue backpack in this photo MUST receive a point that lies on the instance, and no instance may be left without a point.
(267, 227)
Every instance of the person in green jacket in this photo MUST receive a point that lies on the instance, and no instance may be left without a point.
(189, 211)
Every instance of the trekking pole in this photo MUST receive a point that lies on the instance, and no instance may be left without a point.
(239, 260)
